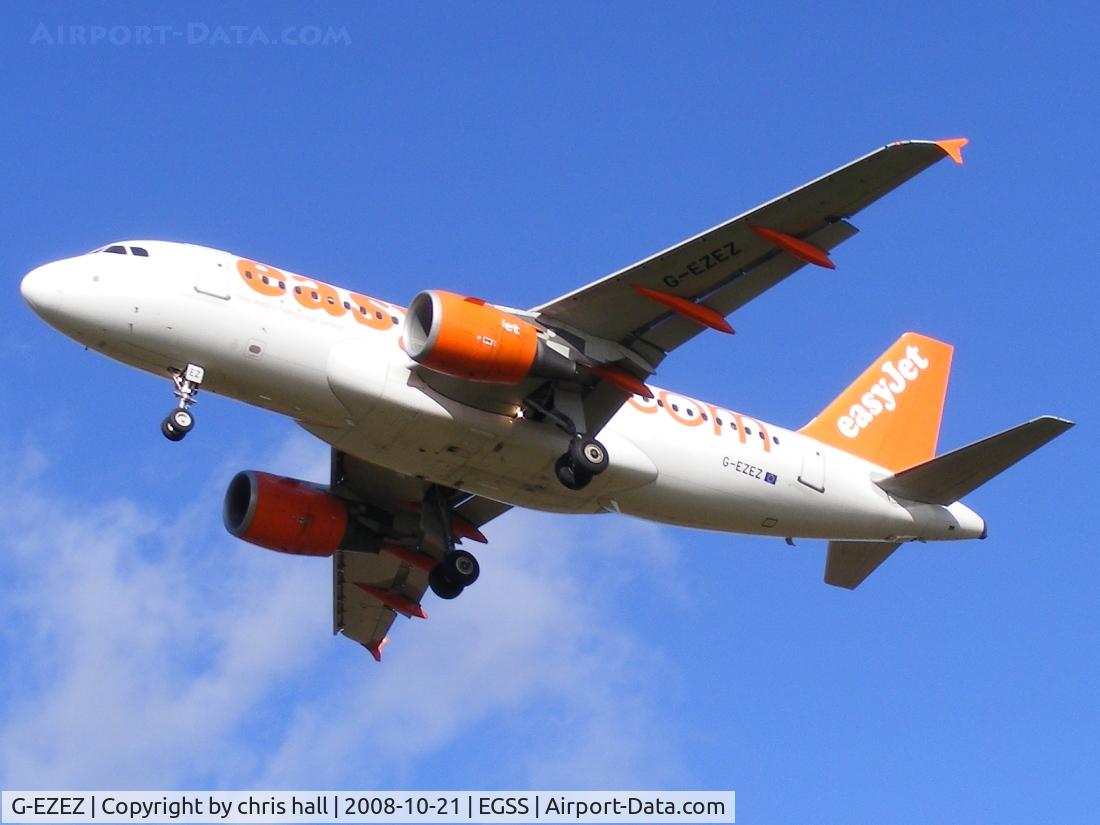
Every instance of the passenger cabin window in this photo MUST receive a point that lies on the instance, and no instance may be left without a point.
(141, 252)
(118, 250)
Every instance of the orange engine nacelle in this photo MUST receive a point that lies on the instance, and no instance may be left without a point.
(290, 516)
(467, 338)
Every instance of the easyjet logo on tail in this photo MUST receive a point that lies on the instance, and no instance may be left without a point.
(903, 390)
(884, 394)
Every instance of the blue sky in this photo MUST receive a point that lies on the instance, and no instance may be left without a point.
(513, 152)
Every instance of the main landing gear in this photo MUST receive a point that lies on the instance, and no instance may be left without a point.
(457, 571)
(563, 407)
(585, 458)
(180, 421)
(439, 524)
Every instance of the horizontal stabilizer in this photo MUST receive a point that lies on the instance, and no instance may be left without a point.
(850, 562)
(946, 479)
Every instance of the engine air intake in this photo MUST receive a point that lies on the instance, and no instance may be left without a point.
(467, 338)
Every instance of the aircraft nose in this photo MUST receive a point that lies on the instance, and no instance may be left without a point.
(38, 288)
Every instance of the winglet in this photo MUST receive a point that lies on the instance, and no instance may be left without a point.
(952, 147)
(376, 650)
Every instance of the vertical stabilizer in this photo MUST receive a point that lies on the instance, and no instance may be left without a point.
(891, 414)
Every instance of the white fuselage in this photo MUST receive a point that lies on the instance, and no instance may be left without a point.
(333, 360)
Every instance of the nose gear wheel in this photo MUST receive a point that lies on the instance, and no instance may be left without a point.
(180, 421)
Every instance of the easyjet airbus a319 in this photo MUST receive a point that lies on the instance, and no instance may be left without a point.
(444, 415)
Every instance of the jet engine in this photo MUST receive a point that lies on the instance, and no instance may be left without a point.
(467, 338)
(291, 516)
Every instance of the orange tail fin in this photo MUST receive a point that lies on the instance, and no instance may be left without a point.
(891, 414)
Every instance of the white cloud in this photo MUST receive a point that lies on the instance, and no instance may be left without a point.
(134, 666)
(534, 640)
(144, 655)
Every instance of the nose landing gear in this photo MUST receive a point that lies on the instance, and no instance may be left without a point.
(177, 425)
(180, 421)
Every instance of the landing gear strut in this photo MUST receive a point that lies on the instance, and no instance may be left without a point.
(564, 408)
(457, 568)
(585, 458)
(180, 421)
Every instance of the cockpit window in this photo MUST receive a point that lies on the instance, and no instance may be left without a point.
(118, 250)
(141, 252)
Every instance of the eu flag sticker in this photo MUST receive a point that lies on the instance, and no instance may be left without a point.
(770, 478)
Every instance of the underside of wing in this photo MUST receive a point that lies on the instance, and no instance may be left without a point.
(721, 269)
(372, 589)
(360, 583)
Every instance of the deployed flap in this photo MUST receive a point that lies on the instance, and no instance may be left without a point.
(850, 562)
(951, 476)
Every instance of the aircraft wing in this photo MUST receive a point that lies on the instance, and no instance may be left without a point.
(370, 590)
(625, 324)
(727, 266)
(361, 616)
